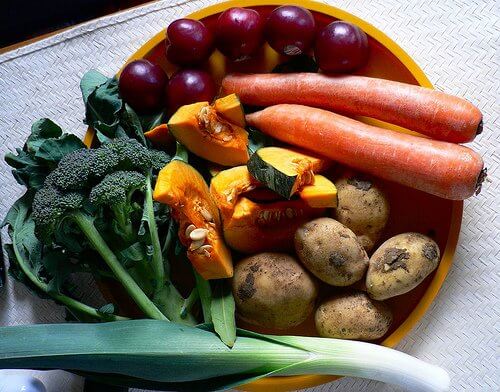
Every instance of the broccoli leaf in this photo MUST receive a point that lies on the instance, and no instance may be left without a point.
(90, 81)
(108, 114)
(53, 150)
(43, 149)
(40, 131)
(103, 106)
(149, 122)
(132, 125)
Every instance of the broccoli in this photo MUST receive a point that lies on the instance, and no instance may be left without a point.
(51, 206)
(78, 169)
(115, 191)
(88, 184)
(83, 168)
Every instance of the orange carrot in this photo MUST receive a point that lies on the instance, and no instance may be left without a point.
(430, 112)
(443, 169)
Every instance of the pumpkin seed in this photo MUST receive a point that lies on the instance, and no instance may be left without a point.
(198, 234)
(196, 244)
(189, 229)
(218, 128)
(204, 248)
(205, 214)
(226, 138)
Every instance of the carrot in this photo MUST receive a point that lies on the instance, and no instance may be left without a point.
(430, 112)
(443, 169)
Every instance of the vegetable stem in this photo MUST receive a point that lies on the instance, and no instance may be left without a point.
(157, 259)
(141, 299)
(173, 356)
(189, 302)
(205, 294)
(69, 302)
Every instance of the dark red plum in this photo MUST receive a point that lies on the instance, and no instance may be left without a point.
(189, 42)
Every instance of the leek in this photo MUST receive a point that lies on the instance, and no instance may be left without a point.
(168, 356)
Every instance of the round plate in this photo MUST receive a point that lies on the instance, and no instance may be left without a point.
(411, 210)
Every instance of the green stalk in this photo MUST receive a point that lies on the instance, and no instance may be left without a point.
(205, 294)
(189, 302)
(70, 303)
(175, 357)
(124, 222)
(157, 259)
(140, 298)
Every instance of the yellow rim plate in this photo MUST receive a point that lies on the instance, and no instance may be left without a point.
(288, 383)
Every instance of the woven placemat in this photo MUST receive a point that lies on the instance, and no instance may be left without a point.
(455, 44)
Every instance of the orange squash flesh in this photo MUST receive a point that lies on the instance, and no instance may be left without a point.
(259, 227)
(230, 108)
(181, 187)
(322, 193)
(160, 136)
(251, 226)
(205, 133)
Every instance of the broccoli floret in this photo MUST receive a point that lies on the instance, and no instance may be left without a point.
(50, 205)
(78, 169)
(132, 154)
(115, 192)
(116, 188)
(159, 159)
(83, 168)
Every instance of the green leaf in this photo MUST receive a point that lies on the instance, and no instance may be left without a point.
(42, 151)
(223, 312)
(103, 106)
(205, 294)
(181, 153)
(89, 83)
(132, 124)
(149, 122)
(54, 150)
(133, 253)
(40, 131)
(107, 309)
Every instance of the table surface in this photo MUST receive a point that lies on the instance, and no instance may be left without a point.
(455, 44)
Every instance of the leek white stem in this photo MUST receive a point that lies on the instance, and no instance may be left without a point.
(366, 360)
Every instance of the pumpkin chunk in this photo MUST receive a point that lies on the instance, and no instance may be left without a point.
(229, 107)
(181, 187)
(207, 134)
(285, 170)
(255, 226)
(322, 193)
(160, 136)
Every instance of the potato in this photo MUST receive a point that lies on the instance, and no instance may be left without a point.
(352, 315)
(273, 290)
(400, 264)
(331, 251)
(363, 207)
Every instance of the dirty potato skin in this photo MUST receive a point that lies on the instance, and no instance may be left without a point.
(363, 207)
(331, 251)
(273, 290)
(400, 264)
(352, 315)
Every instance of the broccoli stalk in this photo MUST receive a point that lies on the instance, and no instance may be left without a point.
(71, 303)
(51, 207)
(115, 192)
(25, 254)
(157, 257)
